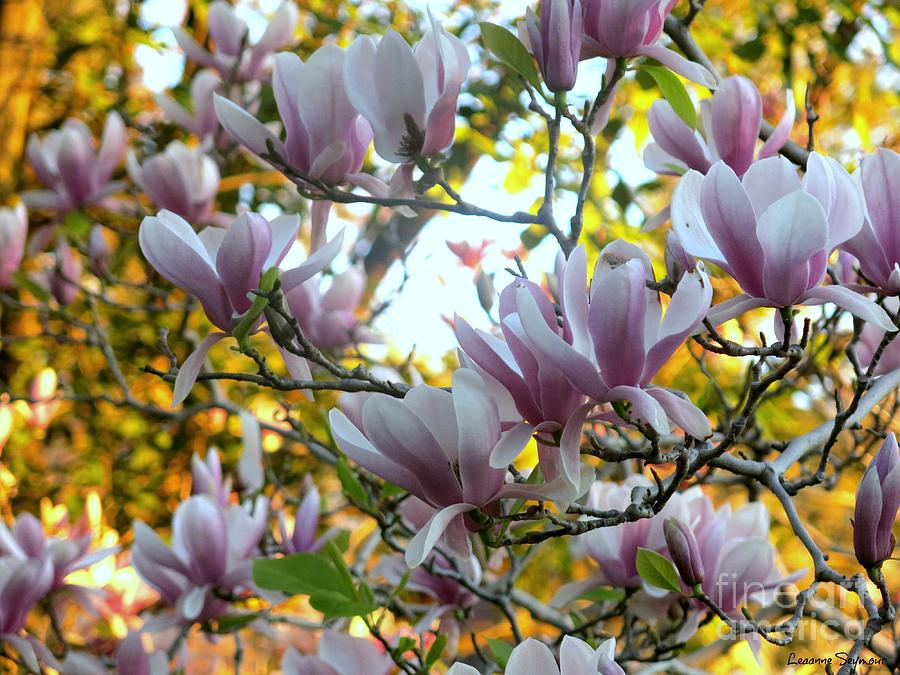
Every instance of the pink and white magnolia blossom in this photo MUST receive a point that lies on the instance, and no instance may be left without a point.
(877, 245)
(99, 251)
(576, 657)
(24, 582)
(325, 138)
(66, 163)
(615, 338)
(302, 537)
(221, 268)
(133, 659)
(64, 277)
(13, 232)
(631, 28)
(181, 179)
(436, 445)
(338, 654)
(201, 120)
(408, 96)
(212, 549)
(232, 55)
(731, 121)
(555, 40)
(877, 503)
(773, 232)
(329, 319)
(870, 339)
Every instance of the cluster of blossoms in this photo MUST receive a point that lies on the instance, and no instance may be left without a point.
(562, 365)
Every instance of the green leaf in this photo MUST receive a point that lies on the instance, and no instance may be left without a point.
(500, 650)
(229, 624)
(657, 570)
(77, 224)
(603, 594)
(340, 565)
(334, 604)
(350, 483)
(510, 51)
(404, 644)
(674, 92)
(299, 574)
(434, 652)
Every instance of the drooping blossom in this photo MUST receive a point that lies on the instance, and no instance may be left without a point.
(24, 582)
(408, 96)
(325, 137)
(630, 28)
(877, 503)
(73, 173)
(615, 338)
(13, 231)
(26, 540)
(212, 549)
(329, 319)
(64, 277)
(222, 267)
(181, 179)
(731, 121)
(576, 657)
(132, 658)
(232, 55)
(773, 232)
(555, 40)
(338, 654)
(877, 245)
(201, 119)
(436, 445)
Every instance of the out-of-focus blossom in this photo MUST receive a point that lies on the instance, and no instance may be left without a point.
(329, 319)
(132, 658)
(408, 96)
(870, 339)
(302, 538)
(877, 245)
(182, 180)
(65, 162)
(877, 502)
(555, 40)
(731, 121)
(42, 393)
(26, 541)
(13, 231)
(231, 55)
(222, 267)
(24, 582)
(212, 550)
(630, 28)
(684, 551)
(338, 654)
(201, 119)
(576, 657)
(615, 338)
(773, 232)
(65, 276)
(207, 477)
(99, 252)
(436, 445)
(469, 255)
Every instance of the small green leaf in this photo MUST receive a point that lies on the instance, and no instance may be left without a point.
(510, 51)
(434, 652)
(347, 587)
(350, 483)
(229, 624)
(674, 92)
(77, 224)
(657, 570)
(300, 574)
(404, 644)
(334, 604)
(500, 650)
(603, 594)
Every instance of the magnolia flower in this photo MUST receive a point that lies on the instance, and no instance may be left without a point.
(469, 254)
(65, 162)
(222, 267)
(339, 654)
(408, 96)
(773, 232)
(24, 582)
(555, 40)
(630, 28)
(329, 319)
(877, 245)
(201, 120)
(870, 339)
(13, 230)
(576, 657)
(325, 138)
(182, 180)
(731, 121)
(212, 550)
(133, 659)
(64, 277)
(302, 538)
(436, 445)
(877, 502)
(206, 475)
(232, 56)
(26, 541)
(615, 338)
(684, 551)
(99, 251)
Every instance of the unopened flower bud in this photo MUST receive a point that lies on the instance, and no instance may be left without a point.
(684, 551)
